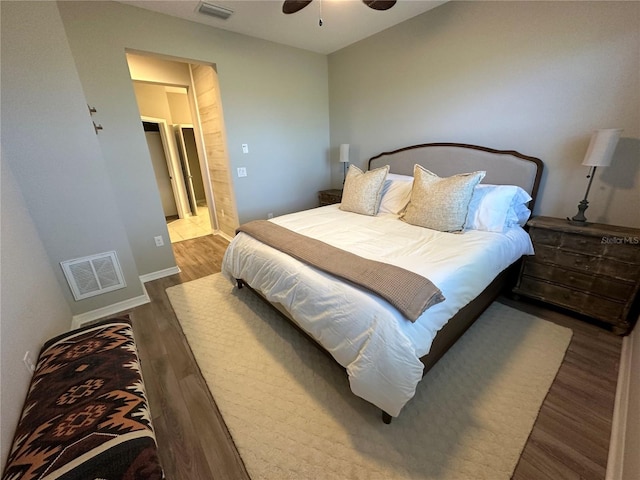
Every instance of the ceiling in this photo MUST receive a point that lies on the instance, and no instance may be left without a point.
(344, 21)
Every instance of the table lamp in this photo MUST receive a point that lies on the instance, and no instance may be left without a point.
(601, 147)
(344, 159)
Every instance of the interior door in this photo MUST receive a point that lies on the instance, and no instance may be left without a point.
(159, 163)
(173, 164)
(186, 169)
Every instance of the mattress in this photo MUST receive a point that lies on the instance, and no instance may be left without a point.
(379, 348)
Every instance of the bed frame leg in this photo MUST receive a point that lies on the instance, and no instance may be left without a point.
(239, 283)
(386, 418)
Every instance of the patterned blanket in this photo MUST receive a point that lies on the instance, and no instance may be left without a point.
(86, 415)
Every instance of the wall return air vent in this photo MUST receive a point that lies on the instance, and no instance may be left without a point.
(93, 275)
(214, 10)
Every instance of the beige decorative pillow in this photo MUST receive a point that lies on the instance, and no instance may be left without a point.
(440, 203)
(362, 191)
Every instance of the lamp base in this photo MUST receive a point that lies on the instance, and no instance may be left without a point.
(579, 218)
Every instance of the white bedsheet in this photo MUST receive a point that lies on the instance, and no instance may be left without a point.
(379, 348)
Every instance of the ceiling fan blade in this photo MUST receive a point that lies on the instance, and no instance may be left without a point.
(379, 4)
(293, 6)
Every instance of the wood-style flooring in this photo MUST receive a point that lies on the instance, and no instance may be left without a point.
(570, 439)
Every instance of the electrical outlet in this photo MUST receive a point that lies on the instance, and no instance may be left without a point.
(28, 362)
(269, 215)
(159, 241)
(245, 148)
(242, 171)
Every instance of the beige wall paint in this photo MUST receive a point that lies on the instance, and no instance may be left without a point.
(537, 77)
(33, 306)
(152, 101)
(275, 98)
(148, 68)
(49, 141)
(210, 113)
(179, 107)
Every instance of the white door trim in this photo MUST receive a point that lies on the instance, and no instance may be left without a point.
(173, 165)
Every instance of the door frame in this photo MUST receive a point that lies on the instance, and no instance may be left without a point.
(186, 168)
(173, 164)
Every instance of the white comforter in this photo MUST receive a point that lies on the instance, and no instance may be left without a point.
(379, 348)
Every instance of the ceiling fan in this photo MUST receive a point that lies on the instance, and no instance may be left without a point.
(293, 6)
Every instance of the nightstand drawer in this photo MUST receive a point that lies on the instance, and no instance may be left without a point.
(604, 286)
(625, 249)
(596, 307)
(586, 263)
(625, 252)
(567, 241)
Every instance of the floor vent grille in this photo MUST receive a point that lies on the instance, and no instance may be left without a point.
(93, 275)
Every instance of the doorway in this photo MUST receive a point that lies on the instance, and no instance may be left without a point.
(174, 155)
(176, 165)
(161, 84)
(198, 223)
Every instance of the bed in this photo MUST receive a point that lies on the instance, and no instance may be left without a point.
(384, 352)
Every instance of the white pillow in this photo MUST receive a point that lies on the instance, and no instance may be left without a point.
(518, 215)
(494, 208)
(395, 193)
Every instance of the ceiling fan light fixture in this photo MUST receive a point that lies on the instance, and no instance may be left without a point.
(214, 10)
(380, 5)
(293, 6)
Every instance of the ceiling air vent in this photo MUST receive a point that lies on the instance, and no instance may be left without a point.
(93, 275)
(214, 10)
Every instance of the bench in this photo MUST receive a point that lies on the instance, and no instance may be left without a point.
(86, 414)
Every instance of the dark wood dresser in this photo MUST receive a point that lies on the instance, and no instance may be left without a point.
(329, 197)
(593, 270)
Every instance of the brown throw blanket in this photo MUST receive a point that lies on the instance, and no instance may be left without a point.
(409, 292)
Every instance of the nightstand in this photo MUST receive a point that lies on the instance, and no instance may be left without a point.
(593, 270)
(329, 197)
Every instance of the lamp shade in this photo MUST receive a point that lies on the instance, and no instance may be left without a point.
(344, 153)
(601, 147)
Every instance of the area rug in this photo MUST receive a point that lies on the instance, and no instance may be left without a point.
(292, 415)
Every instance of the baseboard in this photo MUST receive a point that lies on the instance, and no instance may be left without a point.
(87, 317)
(223, 235)
(159, 274)
(615, 459)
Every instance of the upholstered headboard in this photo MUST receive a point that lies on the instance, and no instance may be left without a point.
(503, 167)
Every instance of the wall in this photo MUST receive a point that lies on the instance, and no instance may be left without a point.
(631, 461)
(152, 101)
(33, 306)
(179, 106)
(213, 133)
(275, 98)
(537, 77)
(49, 141)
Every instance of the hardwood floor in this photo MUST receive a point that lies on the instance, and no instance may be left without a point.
(570, 439)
